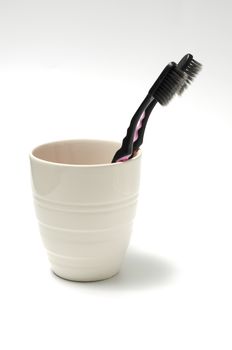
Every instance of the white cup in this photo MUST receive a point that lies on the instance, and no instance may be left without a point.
(85, 206)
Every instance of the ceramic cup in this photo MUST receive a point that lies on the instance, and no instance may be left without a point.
(85, 206)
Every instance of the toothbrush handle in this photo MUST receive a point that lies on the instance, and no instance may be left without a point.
(126, 149)
(141, 130)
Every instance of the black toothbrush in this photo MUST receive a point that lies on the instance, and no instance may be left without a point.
(188, 65)
(174, 79)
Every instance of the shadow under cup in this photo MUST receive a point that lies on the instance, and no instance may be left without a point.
(85, 206)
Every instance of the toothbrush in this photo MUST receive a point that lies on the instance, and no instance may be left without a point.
(173, 79)
(188, 65)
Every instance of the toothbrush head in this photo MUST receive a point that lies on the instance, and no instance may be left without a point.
(171, 81)
(191, 67)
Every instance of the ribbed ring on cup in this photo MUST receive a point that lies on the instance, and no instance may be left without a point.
(81, 239)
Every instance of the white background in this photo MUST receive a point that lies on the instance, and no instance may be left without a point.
(79, 69)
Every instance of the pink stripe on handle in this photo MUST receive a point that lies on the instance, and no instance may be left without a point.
(139, 125)
(123, 159)
(136, 135)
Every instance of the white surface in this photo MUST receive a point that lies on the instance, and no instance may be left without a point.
(85, 206)
(80, 70)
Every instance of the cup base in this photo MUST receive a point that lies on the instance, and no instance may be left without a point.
(85, 269)
(81, 278)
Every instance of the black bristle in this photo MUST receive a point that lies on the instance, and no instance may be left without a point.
(191, 67)
(170, 85)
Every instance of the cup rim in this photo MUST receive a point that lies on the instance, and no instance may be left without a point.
(42, 161)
